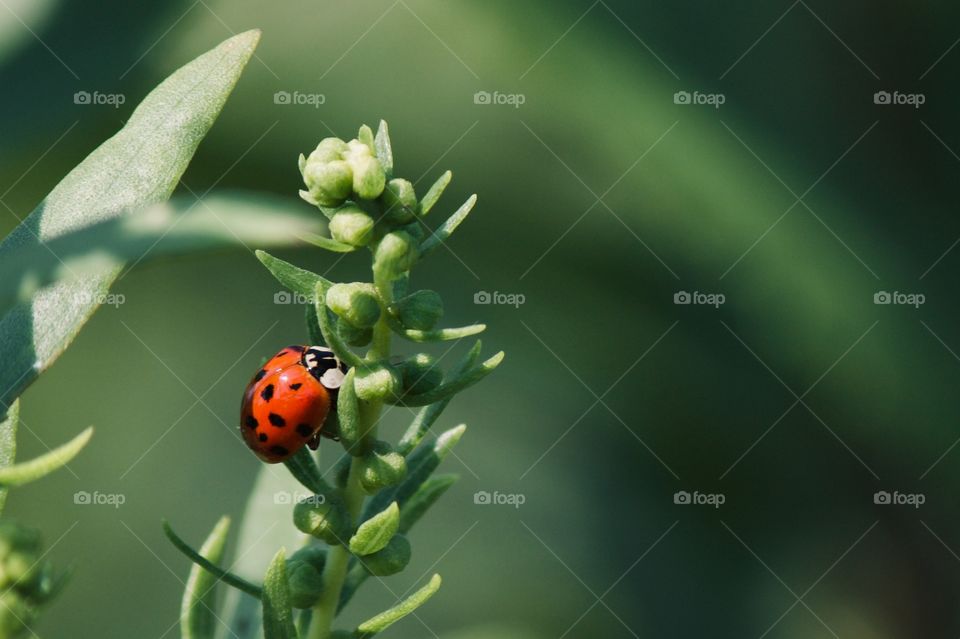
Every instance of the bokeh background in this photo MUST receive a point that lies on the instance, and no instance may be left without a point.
(601, 198)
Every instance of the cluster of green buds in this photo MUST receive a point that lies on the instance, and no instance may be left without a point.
(27, 581)
(359, 525)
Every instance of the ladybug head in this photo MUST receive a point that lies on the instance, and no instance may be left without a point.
(324, 366)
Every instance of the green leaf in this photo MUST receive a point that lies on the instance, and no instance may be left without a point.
(348, 412)
(327, 243)
(302, 466)
(434, 335)
(389, 617)
(183, 225)
(330, 334)
(433, 195)
(296, 279)
(447, 228)
(425, 497)
(384, 148)
(277, 610)
(25, 472)
(376, 532)
(428, 415)
(139, 165)
(197, 616)
(451, 388)
(198, 558)
(8, 441)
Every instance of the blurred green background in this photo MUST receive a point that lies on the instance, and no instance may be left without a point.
(601, 197)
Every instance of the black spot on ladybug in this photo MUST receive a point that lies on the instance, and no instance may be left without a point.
(296, 386)
(279, 450)
(277, 421)
(267, 393)
(262, 437)
(304, 430)
(251, 421)
(260, 375)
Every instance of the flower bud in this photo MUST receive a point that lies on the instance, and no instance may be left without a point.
(356, 303)
(316, 556)
(400, 201)
(305, 584)
(328, 521)
(420, 310)
(354, 336)
(391, 559)
(329, 182)
(329, 150)
(419, 374)
(381, 467)
(376, 382)
(351, 225)
(395, 253)
(368, 176)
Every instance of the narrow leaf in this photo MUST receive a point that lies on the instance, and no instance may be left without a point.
(428, 415)
(447, 228)
(376, 532)
(425, 497)
(435, 335)
(277, 610)
(389, 617)
(433, 195)
(302, 466)
(296, 279)
(197, 611)
(384, 148)
(8, 441)
(451, 388)
(327, 243)
(226, 577)
(139, 165)
(29, 471)
(348, 412)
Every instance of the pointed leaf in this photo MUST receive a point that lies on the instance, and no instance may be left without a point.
(277, 610)
(435, 335)
(376, 532)
(384, 148)
(447, 228)
(29, 471)
(226, 577)
(451, 388)
(348, 412)
(389, 617)
(327, 243)
(139, 165)
(296, 279)
(302, 466)
(433, 195)
(197, 611)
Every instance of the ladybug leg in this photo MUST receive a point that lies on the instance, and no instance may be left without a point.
(314, 442)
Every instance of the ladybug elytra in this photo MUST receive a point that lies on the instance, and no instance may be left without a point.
(287, 402)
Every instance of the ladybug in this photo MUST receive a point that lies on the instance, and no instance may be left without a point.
(287, 402)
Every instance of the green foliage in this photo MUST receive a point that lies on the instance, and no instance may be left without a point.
(277, 605)
(197, 617)
(375, 533)
(389, 617)
(26, 472)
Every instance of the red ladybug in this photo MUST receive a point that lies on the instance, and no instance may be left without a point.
(287, 402)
